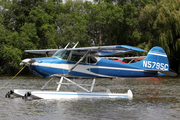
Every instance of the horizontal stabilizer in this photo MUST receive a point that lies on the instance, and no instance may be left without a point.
(170, 73)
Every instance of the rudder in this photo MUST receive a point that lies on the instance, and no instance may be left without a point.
(156, 60)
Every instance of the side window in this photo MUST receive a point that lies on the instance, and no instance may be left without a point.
(77, 55)
(76, 58)
(91, 60)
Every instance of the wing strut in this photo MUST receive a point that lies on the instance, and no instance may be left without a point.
(75, 45)
(64, 77)
(66, 46)
(77, 63)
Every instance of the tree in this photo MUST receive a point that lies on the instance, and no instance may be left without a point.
(117, 21)
(161, 23)
(29, 37)
(45, 27)
(25, 24)
(71, 25)
(17, 12)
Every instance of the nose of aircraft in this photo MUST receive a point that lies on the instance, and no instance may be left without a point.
(25, 61)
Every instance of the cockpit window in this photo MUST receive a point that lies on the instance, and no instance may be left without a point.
(63, 54)
(91, 60)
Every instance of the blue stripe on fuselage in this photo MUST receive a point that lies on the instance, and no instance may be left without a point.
(104, 68)
(120, 73)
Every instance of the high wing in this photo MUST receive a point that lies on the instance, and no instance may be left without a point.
(95, 51)
(110, 50)
(45, 51)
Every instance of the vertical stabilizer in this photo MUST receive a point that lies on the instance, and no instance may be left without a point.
(156, 60)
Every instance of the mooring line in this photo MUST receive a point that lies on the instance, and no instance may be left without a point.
(14, 76)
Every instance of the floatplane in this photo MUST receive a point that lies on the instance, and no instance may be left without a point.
(87, 62)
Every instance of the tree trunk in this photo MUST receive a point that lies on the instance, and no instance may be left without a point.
(100, 37)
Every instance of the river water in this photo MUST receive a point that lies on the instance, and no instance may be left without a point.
(154, 99)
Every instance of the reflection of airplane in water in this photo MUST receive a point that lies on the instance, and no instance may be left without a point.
(86, 62)
(154, 91)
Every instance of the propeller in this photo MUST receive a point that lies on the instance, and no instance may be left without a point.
(25, 61)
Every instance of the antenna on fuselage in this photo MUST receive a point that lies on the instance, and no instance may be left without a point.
(75, 44)
(66, 46)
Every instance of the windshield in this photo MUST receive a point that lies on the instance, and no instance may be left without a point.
(63, 54)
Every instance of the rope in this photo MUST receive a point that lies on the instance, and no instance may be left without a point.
(14, 76)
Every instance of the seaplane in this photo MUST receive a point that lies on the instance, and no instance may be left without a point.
(87, 63)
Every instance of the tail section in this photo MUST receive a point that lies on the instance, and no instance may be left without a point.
(157, 61)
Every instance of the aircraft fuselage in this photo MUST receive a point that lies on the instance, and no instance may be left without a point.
(103, 68)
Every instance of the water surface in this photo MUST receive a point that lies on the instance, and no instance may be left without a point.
(154, 99)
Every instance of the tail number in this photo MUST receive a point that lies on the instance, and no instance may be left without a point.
(155, 65)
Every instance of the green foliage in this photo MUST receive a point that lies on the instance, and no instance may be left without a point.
(29, 38)
(26, 24)
(11, 54)
(45, 29)
(41, 24)
(72, 27)
(161, 25)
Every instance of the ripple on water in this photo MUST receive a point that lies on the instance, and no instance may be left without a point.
(157, 99)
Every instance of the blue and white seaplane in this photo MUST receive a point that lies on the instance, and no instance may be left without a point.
(87, 62)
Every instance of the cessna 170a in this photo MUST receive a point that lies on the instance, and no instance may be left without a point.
(87, 62)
